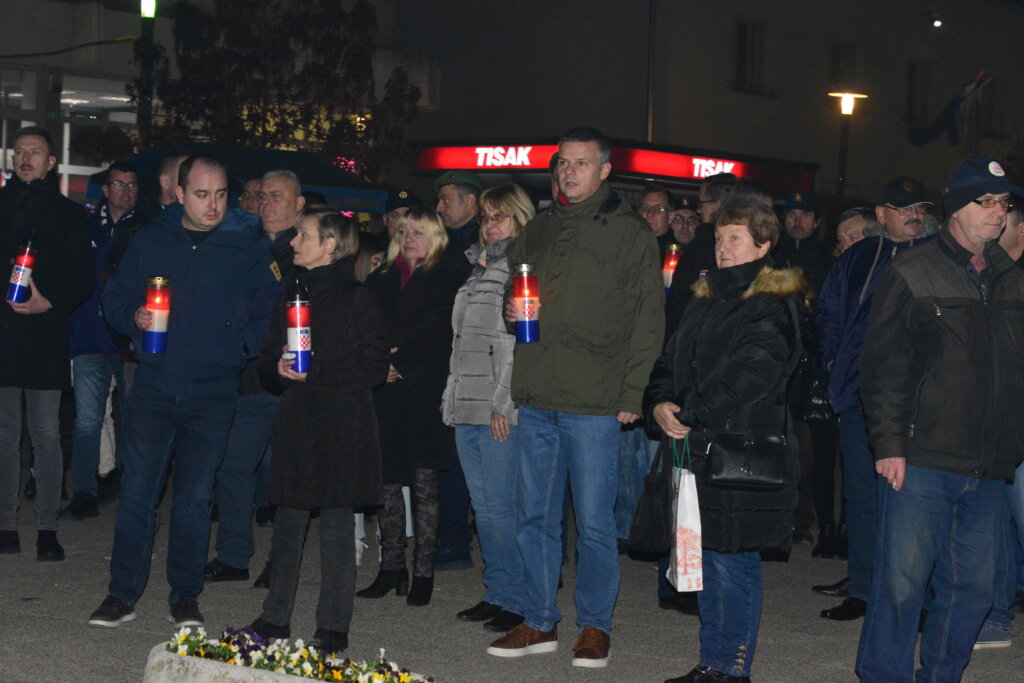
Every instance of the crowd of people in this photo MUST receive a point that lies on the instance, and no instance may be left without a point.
(769, 353)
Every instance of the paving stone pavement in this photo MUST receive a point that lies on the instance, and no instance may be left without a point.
(44, 608)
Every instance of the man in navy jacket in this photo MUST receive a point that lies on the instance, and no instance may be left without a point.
(222, 280)
(841, 319)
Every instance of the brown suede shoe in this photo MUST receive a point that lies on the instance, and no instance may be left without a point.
(523, 640)
(591, 648)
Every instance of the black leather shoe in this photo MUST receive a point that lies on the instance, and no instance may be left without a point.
(219, 571)
(703, 674)
(268, 631)
(82, 505)
(839, 589)
(421, 590)
(386, 581)
(265, 516)
(481, 611)
(328, 641)
(504, 621)
(9, 542)
(684, 603)
(263, 580)
(848, 610)
(48, 549)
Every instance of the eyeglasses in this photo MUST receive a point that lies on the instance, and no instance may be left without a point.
(689, 220)
(914, 208)
(652, 208)
(495, 218)
(989, 203)
(119, 185)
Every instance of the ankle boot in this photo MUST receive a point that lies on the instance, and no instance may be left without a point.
(826, 547)
(422, 589)
(387, 579)
(48, 549)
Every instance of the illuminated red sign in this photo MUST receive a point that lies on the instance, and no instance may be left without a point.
(633, 160)
(486, 158)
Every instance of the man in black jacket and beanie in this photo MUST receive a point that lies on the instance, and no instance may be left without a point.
(34, 342)
(938, 382)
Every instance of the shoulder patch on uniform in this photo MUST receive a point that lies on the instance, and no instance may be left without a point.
(275, 270)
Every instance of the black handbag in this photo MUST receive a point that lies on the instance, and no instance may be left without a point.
(750, 462)
(651, 529)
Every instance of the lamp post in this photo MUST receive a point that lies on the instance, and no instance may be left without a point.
(846, 102)
(144, 116)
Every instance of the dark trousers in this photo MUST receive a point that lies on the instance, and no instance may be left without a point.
(425, 521)
(825, 441)
(236, 477)
(337, 567)
(453, 534)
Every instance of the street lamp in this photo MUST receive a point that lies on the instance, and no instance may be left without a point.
(846, 103)
(144, 116)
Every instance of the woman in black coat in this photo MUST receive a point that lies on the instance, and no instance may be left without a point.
(725, 371)
(326, 447)
(417, 291)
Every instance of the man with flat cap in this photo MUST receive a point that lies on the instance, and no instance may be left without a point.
(939, 371)
(841, 318)
(458, 198)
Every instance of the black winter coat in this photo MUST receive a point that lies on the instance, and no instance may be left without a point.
(727, 367)
(419, 324)
(326, 446)
(35, 349)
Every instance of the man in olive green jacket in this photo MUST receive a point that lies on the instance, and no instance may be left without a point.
(601, 326)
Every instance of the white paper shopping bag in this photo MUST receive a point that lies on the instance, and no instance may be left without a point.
(685, 567)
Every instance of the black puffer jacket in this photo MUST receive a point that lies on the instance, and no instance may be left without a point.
(941, 367)
(727, 368)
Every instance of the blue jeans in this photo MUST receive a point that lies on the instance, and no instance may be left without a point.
(939, 525)
(1009, 567)
(491, 469)
(157, 425)
(556, 446)
(730, 611)
(92, 374)
(635, 455)
(860, 484)
(236, 478)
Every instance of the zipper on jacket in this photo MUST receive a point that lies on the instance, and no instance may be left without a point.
(917, 401)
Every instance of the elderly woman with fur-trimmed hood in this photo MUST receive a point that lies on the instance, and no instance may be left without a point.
(725, 371)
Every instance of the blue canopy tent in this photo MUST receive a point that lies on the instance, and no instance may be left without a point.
(352, 192)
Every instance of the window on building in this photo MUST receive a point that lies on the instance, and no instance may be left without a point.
(845, 64)
(919, 93)
(749, 75)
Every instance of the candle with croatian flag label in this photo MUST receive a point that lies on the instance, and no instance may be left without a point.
(158, 303)
(17, 289)
(668, 267)
(527, 296)
(300, 337)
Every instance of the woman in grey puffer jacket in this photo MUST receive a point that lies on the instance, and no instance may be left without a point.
(477, 402)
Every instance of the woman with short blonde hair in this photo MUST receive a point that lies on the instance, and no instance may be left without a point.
(427, 225)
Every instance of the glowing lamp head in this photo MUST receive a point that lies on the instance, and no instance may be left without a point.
(147, 9)
(158, 294)
(26, 257)
(847, 100)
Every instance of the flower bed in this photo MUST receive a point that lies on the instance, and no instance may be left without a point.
(273, 659)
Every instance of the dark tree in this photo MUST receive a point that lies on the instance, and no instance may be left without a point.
(281, 74)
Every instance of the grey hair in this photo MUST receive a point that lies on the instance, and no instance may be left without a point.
(282, 173)
(862, 211)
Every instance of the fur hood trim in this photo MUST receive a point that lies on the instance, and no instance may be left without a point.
(781, 282)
